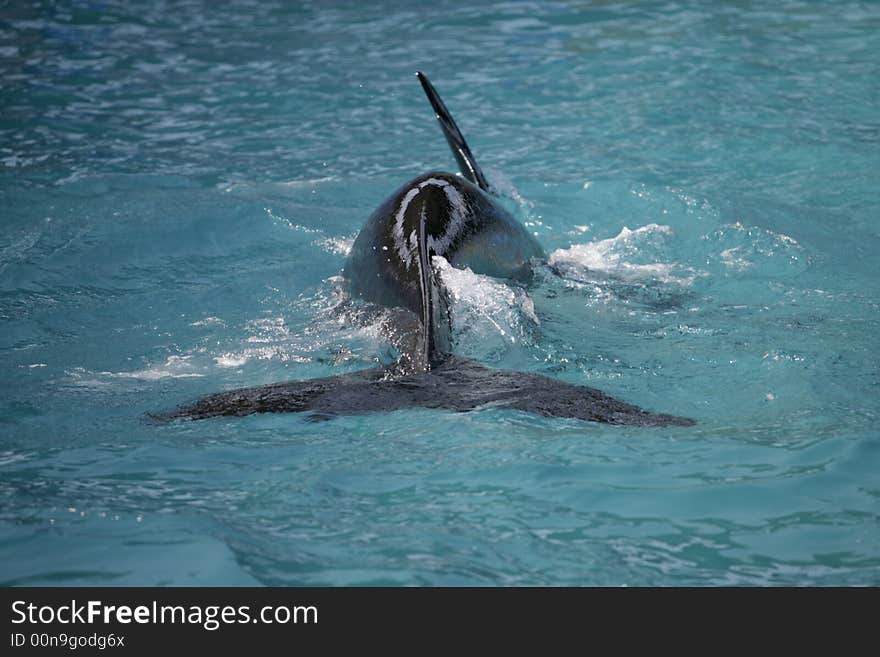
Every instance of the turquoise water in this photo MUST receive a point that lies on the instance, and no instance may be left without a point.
(180, 183)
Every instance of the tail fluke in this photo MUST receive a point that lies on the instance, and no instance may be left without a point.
(460, 149)
(455, 384)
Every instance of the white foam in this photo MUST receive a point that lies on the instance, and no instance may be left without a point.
(753, 246)
(239, 358)
(231, 359)
(476, 299)
(336, 245)
(617, 256)
(267, 329)
(209, 321)
(733, 259)
(174, 367)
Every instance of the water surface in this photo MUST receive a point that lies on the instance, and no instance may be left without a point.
(181, 181)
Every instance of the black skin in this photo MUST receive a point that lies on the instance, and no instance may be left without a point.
(376, 271)
(433, 378)
(455, 384)
(436, 214)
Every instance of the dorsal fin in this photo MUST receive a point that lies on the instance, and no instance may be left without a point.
(466, 160)
(434, 343)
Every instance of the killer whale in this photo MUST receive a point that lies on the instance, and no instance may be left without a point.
(391, 264)
(435, 215)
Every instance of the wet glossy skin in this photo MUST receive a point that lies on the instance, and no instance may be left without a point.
(390, 264)
(461, 222)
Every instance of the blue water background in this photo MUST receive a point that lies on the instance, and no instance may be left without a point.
(179, 182)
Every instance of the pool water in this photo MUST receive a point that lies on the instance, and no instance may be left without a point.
(180, 183)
